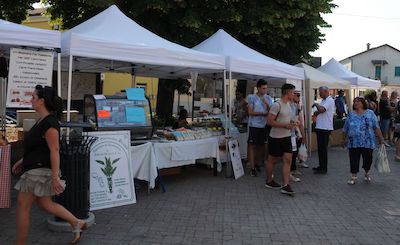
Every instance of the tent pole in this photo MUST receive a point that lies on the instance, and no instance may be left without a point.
(308, 115)
(230, 103)
(59, 74)
(69, 89)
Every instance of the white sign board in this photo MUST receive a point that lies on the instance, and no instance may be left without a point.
(236, 159)
(111, 178)
(28, 68)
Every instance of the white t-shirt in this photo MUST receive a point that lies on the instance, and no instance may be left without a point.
(325, 120)
(285, 114)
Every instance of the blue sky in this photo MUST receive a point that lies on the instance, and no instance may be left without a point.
(358, 22)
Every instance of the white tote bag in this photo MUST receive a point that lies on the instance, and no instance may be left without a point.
(303, 155)
(380, 161)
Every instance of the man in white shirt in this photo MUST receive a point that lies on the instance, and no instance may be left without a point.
(323, 128)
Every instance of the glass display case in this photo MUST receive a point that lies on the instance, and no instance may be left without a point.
(119, 113)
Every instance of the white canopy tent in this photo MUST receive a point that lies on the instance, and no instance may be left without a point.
(246, 63)
(110, 41)
(16, 35)
(243, 62)
(313, 80)
(334, 68)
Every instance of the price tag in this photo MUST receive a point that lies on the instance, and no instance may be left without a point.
(103, 114)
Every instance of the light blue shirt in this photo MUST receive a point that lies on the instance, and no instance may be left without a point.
(360, 130)
(258, 106)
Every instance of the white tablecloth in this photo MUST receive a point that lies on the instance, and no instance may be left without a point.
(179, 153)
(144, 163)
(147, 157)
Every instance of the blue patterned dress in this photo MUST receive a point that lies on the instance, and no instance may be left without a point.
(360, 129)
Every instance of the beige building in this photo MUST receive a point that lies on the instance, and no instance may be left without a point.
(381, 63)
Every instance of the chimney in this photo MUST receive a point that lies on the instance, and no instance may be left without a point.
(368, 46)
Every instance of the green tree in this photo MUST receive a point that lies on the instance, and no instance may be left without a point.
(15, 10)
(283, 29)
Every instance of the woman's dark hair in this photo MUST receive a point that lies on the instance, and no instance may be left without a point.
(52, 102)
(362, 100)
(183, 114)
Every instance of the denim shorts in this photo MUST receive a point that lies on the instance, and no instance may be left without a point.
(385, 125)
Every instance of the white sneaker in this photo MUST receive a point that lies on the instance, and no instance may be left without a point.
(294, 178)
(296, 172)
(303, 165)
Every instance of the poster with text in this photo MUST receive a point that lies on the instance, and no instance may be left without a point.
(111, 177)
(236, 159)
(28, 68)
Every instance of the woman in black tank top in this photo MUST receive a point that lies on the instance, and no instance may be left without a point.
(40, 166)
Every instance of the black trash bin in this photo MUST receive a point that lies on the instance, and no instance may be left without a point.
(75, 170)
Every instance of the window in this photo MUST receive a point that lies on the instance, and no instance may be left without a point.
(378, 70)
(397, 71)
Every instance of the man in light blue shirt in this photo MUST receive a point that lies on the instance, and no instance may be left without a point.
(258, 107)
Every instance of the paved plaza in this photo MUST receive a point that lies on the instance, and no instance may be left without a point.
(199, 208)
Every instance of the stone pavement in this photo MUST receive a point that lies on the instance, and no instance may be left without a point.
(201, 209)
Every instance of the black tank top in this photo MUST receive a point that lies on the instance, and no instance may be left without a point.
(36, 150)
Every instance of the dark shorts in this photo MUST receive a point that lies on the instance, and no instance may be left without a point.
(278, 146)
(257, 136)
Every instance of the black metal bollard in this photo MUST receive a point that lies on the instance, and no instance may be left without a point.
(75, 170)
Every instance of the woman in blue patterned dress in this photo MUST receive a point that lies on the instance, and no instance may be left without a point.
(359, 134)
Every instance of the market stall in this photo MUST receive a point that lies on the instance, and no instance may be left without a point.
(313, 80)
(245, 63)
(26, 41)
(97, 46)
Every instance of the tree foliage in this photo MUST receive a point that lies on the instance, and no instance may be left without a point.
(283, 29)
(15, 10)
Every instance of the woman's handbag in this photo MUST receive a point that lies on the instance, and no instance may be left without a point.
(303, 155)
(380, 161)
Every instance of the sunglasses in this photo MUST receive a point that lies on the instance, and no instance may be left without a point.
(298, 95)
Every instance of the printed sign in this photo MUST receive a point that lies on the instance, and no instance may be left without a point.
(135, 94)
(135, 114)
(237, 165)
(111, 178)
(28, 68)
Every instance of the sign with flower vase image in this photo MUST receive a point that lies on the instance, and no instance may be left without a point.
(111, 177)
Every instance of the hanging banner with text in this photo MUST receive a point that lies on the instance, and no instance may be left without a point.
(111, 178)
(28, 68)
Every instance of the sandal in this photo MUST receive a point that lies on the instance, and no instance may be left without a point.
(352, 181)
(77, 231)
(367, 178)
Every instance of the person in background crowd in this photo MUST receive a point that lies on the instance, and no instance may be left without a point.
(182, 120)
(385, 112)
(3, 140)
(40, 166)
(372, 102)
(323, 128)
(340, 103)
(393, 107)
(258, 107)
(299, 134)
(279, 141)
(359, 133)
(240, 109)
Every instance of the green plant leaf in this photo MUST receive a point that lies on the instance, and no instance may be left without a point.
(101, 162)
